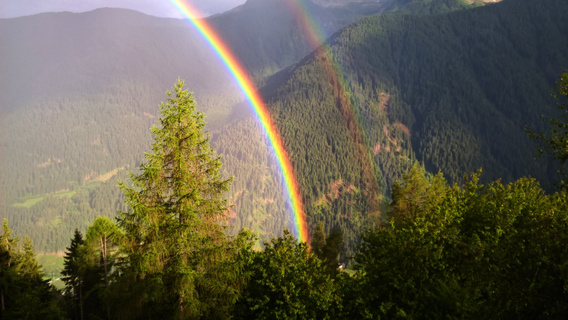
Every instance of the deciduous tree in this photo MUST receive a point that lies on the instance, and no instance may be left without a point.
(288, 282)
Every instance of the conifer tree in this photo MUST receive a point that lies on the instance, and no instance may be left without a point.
(73, 275)
(332, 250)
(178, 256)
(24, 294)
(327, 248)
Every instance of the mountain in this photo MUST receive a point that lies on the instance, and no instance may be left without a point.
(268, 35)
(451, 90)
(79, 92)
(92, 52)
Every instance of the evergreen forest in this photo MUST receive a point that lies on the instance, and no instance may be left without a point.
(427, 138)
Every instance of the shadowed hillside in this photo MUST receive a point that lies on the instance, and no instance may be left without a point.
(453, 91)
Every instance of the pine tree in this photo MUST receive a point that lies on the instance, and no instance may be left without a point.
(332, 250)
(327, 248)
(73, 275)
(24, 294)
(7, 257)
(178, 255)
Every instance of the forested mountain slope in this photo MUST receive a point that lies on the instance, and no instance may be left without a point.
(452, 90)
(53, 55)
(79, 92)
(268, 35)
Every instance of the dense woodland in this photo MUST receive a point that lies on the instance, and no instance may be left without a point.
(385, 124)
(469, 251)
(386, 105)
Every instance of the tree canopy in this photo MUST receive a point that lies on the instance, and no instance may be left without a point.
(475, 251)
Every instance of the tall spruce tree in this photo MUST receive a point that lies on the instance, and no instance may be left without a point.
(179, 261)
(318, 240)
(73, 264)
(328, 248)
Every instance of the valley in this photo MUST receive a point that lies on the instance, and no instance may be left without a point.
(354, 159)
(463, 110)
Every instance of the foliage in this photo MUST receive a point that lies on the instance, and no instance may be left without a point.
(412, 87)
(475, 251)
(428, 7)
(104, 235)
(84, 281)
(73, 275)
(257, 191)
(453, 89)
(333, 250)
(318, 240)
(287, 282)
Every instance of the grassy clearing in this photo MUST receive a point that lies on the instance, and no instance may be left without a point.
(30, 201)
(67, 194)
(52, 264)
(107, 176)
(58, 284)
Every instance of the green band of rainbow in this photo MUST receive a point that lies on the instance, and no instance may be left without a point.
(260, 110)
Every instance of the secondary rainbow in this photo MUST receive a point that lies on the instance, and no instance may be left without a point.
(260, 110)
(336, 78)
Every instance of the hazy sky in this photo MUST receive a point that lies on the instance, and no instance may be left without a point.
(160, 8)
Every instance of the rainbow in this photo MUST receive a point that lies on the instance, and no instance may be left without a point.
(243, 80)
(351, 115)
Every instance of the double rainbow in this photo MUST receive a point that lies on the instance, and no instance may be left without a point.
(261, 112)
